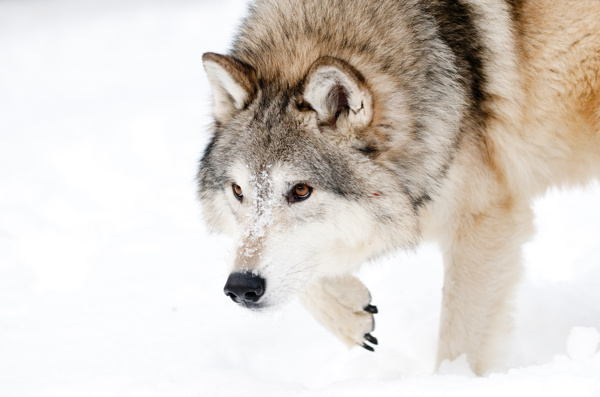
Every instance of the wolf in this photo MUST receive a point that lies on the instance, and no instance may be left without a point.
(346, 130)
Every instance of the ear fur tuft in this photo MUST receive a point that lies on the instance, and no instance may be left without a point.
(334, 88)
(233, 83)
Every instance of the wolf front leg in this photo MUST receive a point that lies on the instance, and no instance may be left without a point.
(482, 260)
(343, 306)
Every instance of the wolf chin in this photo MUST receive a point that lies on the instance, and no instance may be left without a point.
(345, 130)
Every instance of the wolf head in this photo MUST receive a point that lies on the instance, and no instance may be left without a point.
(292, 174)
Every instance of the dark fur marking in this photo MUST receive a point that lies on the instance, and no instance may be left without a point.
(516, 7)
(203, 181)
(458, 30)
(304, 107)
(369, 151)
(420, 201)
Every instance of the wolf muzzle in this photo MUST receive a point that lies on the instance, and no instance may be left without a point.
(245, 288)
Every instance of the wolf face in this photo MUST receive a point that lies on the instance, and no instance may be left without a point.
(288, 177)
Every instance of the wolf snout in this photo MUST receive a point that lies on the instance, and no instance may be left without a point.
(245, 288)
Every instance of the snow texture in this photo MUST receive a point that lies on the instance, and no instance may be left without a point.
(263, 200)
(109, 285)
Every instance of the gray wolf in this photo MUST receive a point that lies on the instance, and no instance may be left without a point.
(345, 130)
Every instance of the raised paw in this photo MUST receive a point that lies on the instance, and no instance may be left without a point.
(343, 306)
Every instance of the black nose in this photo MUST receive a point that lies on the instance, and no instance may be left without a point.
(245, 287)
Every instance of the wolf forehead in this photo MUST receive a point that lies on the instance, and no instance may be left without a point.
(273, 132)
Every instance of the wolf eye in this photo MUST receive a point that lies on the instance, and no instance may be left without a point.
(299, 192)
(237, 191)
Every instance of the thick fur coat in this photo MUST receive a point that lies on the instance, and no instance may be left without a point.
(344, 130)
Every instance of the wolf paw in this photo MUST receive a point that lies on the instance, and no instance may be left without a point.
(343, 306)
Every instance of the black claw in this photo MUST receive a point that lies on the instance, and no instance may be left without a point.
(369, 348)
(370, 309)
(371, 338)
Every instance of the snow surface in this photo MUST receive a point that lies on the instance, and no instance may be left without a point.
(109, 285)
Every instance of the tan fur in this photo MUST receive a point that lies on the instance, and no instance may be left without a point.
(554, 138)
(547, 134)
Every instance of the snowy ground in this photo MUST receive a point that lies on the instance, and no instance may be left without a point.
(109, 285)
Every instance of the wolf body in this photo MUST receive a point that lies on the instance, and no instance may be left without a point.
(344, 130)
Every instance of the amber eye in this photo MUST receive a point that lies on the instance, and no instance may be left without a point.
(301, 192)
(237, 191)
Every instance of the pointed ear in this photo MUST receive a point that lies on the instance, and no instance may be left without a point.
(233, 84)
(337, 91)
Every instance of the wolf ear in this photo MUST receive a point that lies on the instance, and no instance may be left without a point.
(233, 84)
(335, 89)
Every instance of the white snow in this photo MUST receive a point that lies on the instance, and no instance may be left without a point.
(583, 343)
(109, 285)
